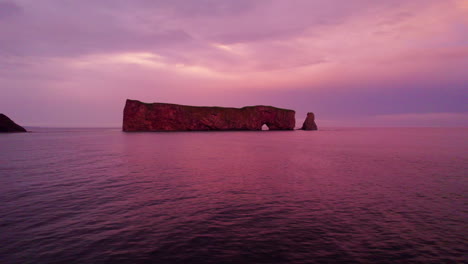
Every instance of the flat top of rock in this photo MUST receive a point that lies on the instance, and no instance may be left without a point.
(217, 107)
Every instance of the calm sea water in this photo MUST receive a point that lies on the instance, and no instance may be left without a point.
(348, 195)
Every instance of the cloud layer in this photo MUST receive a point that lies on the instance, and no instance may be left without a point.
(73, 58)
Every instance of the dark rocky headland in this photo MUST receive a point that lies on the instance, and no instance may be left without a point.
(140, 116)
(7, 125)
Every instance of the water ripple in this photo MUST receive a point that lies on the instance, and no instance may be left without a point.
(337, 196)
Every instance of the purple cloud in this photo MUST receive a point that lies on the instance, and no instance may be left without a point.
(300, 54)
(9, 9)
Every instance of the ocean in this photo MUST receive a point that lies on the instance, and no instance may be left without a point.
(337, 195)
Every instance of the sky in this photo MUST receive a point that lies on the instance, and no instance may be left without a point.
(73, 63)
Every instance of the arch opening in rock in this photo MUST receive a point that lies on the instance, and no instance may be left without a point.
(265, 127)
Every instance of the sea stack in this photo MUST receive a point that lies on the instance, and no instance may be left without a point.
(309, 123)
(140, 116)
(7, 125)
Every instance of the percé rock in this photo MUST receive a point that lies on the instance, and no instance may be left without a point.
(7, 125)
(309, 122)
(140, 116)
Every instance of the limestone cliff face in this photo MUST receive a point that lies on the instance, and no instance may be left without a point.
(309, 123)
(7, 125)
(140, 116)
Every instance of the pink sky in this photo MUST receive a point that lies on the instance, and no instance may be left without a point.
(353, 63)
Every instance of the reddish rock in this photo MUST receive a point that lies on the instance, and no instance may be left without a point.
(140, 116)
(309, 123)
(7, 125)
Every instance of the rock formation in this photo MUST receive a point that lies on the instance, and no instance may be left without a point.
(7, 125)
(309, 122)
(140, 116)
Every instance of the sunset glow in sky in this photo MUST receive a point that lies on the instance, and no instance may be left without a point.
(353, 63)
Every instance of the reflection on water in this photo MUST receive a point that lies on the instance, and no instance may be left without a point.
(338, 195)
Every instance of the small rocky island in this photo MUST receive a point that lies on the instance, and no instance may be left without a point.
(309, 123)
(140, 116)
(7, 125)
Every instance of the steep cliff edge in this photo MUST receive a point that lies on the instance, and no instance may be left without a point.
(140, 116)
(309, 123)
(7, 125)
